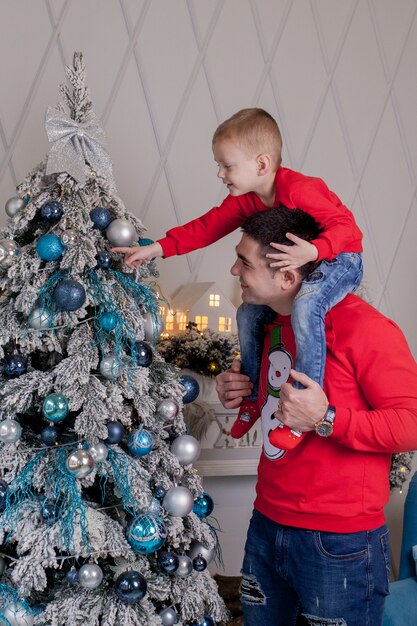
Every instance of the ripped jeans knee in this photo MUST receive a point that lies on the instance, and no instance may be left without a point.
(250, 590)
(324, 621)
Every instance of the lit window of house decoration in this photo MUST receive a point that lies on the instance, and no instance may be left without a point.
(214, 299)
(225, 324)
(182, 319)
(201, 321)
(169, 322)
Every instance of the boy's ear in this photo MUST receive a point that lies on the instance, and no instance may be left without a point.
(263, 162)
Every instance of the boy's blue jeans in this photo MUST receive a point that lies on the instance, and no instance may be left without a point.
(333, 579)
(324, 287)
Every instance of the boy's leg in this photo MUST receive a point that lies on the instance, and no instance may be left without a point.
(251, 319)
(327, 285)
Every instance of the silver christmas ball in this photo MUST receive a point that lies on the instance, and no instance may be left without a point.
(186, 448)
(110, 367)
(121, 233)
(69, 237)
(167, 409)
(90, 576)
(80, 463)
(9, 251)
(17, 615)
(197, 549)
(99, 451)
(178, 501)
(2, 565)
(10, 431)
(14, 205)
(40, 319)
(168, 617)
(185, 567)
(152, 327)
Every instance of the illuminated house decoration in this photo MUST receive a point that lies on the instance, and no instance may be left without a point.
(203, 304)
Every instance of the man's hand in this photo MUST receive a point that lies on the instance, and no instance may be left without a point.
(301, 409)
(232, 386)
(136, 255)
(291, 257)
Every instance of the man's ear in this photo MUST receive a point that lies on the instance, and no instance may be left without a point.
(290, 279)
(263, 163)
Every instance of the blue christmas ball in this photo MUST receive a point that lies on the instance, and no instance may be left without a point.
(203, 506)
(50, 247)
(50, 435)
(72, 576)
(52, 211)
(115, 432)
(14, 366)
(208, 621)
(49, 512)
(167, 561)
(143, 241)
(199, 563)
(108, 321)
(146, 533)
(104, 259)
(69, 295)
(159, 492)
(140, 442)
(4, 488)
(101, 217)
(130, 587)
(192, 388)
(55, 407)
(144, 354)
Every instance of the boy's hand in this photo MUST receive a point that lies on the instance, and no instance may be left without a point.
(291, 257)
(136, 255)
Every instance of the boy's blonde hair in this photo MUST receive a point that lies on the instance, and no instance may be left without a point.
(256, 132)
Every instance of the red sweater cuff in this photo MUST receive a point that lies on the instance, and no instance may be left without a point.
(341, 424)
(168, 247)
(323, 248)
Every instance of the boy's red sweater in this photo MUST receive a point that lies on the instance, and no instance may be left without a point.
(293, 190)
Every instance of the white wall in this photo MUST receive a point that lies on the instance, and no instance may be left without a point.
(338, 76)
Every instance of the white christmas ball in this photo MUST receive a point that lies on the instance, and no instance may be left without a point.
(16, 614)
(178, 501)
(121, 233)
(167, 409)
(186, 448)
(99, 451)
(197, 549)
(80, 463)
(40, 319)
(10, 431)
(9, 251)
(90, 576)
(110, 367)
(69, 237)
(185, 566)
(153, 325)
(14, 205)
(168, 617)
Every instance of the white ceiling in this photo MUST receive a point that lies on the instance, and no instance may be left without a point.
(338, 76)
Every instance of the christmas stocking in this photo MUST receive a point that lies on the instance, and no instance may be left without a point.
(247, 416)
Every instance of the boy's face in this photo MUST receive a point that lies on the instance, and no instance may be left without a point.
(236, 169)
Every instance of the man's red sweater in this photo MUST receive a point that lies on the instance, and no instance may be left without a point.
(293, 190)
(341, 483)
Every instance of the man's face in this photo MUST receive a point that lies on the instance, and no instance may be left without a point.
(236, 169)
(260, 285)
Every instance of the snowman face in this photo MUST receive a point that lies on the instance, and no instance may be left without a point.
(280, 363)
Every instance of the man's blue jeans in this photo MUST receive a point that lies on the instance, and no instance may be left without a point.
(332, 579)
(324, 287)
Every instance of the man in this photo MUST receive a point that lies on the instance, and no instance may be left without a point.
(317, 543)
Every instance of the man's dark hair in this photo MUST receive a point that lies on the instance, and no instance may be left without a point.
(272, 225)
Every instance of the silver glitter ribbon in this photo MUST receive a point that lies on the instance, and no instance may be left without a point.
(76, 144)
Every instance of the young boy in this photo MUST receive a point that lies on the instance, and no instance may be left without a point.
(247, 149)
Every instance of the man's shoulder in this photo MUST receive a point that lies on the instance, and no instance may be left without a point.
(354, 316)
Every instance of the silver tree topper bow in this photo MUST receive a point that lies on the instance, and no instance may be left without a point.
(75, 144)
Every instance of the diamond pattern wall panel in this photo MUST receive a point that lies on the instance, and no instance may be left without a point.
(338, 76)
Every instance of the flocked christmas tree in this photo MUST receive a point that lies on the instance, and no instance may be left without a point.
(104, 519)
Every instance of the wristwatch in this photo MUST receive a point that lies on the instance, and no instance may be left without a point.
(324, 427)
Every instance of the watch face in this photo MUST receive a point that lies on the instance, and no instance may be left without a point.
(324, 429)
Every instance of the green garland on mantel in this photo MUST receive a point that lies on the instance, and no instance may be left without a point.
(209, 353)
